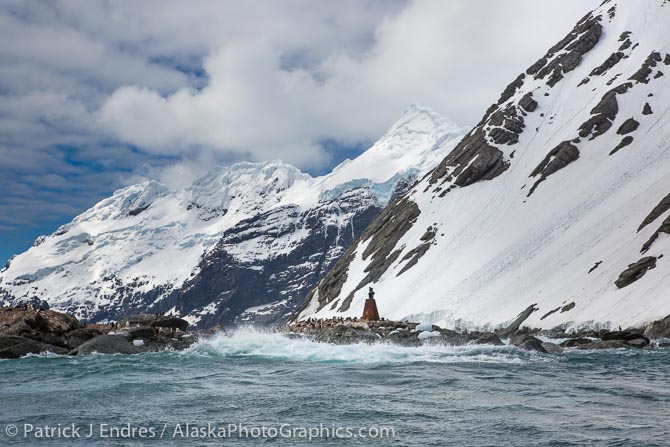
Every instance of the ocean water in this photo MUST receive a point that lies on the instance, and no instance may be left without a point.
(264, 389)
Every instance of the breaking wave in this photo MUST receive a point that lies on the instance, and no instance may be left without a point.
(257, 345)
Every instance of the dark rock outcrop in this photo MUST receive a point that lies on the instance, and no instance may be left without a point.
(527, 343)
(171, 323)
(280, 282)
(635, 271)
(141, 332)
(45, 326)
(646, 110)
(558, 158)
(658, 329)
(612, 344)
(604, 113)
(581, 40)
(609, 63)
(488, 339)
(623, 336)
(628, 126)
(107, 344)
(642, 75)
(14, 347)
(575, 342)
(516, 324)
(662, 207)
(625, 141)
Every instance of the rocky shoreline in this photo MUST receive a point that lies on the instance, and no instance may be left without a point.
(30, 330)
(351, 331)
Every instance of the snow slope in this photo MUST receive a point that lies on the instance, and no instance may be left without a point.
(135, 250)
(541, 204)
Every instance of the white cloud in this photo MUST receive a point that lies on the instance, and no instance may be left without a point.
(453, 56)
(97, 94)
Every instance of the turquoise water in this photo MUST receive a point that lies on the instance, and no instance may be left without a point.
(429, 396)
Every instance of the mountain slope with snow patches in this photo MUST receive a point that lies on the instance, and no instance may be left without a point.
(557, 201)
(150, 249)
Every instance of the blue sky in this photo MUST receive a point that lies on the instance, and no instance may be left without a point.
(98, 95)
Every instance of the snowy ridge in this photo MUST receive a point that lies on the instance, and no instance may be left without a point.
(135, 250)
(541, 203)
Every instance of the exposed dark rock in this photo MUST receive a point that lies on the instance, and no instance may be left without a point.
(413, 256)
(626, 41)
(609, 63)
(625, 141)
(473, 160)
(528, 103)
(666, 61)
(516, 324)
(658, 74)
(385, 232)
(658, 329)
(551, 312)
(558, 158)
(488, 339)
(603, 113)
(80, 336)
(107, 344)
(641, 342)
(580, 41)
(140, 332)
(662, 207)
(45, 326)
(597, 264)
(622, 336)
(635, 271)
(628, 126)
(613, 344)
(647, 109)
(575, 342)
(611, 13)
(14, 347)
(279, 282)
(664, 228)
(527, 343)
(642, 75)
(346, 335)
(568, 307)
(552, 348)
(171, 323)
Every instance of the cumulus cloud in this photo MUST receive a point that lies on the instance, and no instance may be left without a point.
(95, 94)
(452, 56)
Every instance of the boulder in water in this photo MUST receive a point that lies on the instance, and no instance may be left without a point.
(552, 348)
(488, 339)
(527, 343)
(575, 342)
(610, 344)
(14, 347)
(107, 344)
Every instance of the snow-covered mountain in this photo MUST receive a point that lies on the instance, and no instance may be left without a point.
(557, 203)
(243, 243)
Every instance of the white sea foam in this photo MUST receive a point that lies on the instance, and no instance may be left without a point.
(270, 346)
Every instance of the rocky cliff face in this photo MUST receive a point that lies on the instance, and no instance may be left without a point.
(244, 243)
(540, 206)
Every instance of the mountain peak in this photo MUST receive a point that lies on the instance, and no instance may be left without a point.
(420, 119)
